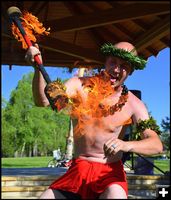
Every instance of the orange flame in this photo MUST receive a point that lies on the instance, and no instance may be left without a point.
(98, 88)
(87, 111)
(32, 27)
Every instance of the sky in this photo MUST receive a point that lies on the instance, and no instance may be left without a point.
(153, 82)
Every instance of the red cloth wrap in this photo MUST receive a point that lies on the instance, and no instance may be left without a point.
(89, 179)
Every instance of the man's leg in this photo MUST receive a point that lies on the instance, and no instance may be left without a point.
(51, 194)
(114, 191)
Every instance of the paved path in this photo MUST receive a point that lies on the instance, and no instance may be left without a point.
(38, 171)
(32, 171)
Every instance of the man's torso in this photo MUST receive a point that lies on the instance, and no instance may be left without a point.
(97, 131)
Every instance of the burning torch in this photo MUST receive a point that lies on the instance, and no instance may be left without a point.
(17, 18)
(14, 14)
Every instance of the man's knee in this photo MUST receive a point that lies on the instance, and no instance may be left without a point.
(52, 194)
(114, 191)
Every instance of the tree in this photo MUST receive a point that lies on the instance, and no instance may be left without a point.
(4, 102)
(165, 136)
(29, 130)
(8, 132)
(166, 124)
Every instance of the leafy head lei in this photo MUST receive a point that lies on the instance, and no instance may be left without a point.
(135, 61)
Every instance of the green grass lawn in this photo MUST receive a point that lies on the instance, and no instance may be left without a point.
(25, 162)
(164, 165)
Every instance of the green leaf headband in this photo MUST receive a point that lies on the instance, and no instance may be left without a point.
(135, 61)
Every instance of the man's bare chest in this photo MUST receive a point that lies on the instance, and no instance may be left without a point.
(111, 122)
(119, 115)
(89, 121)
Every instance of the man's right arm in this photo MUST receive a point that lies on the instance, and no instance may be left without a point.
(38, 83)
(38, 86)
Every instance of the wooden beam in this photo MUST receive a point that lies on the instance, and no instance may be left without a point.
(165, 41)
(105, 17)
(74, 8)
(49, 63)
(148, 2)
(103, 34)
(108, 35)
(91, 6)
(144, 54)
(37, 7)
(106, 31)
(141, 24)
(152, 50)
(41, 7)
(20, 5)
(156, 32)
(46, 12)
(97, 37)
(33, 8)
(115, 4)
(50, 59)
(84, 8)
(97, 6)
(4, 11)
(124, 31)
(66, 48)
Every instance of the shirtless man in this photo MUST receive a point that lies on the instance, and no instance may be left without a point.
(97, 171)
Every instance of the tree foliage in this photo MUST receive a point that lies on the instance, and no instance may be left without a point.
(166, 124)
(165, 137)
(28, 130)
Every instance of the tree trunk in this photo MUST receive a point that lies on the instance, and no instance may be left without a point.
(81, 72)
(30, 150)
(16, 154)
(35, 148)
(22, 150)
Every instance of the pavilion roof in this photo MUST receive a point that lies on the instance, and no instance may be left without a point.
(78, 29)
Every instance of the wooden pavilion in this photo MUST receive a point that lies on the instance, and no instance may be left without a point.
(78, 29)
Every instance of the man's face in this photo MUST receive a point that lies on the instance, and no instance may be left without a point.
(118, 70)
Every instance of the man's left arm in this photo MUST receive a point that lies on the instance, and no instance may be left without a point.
(150, 142)
(150, 145)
